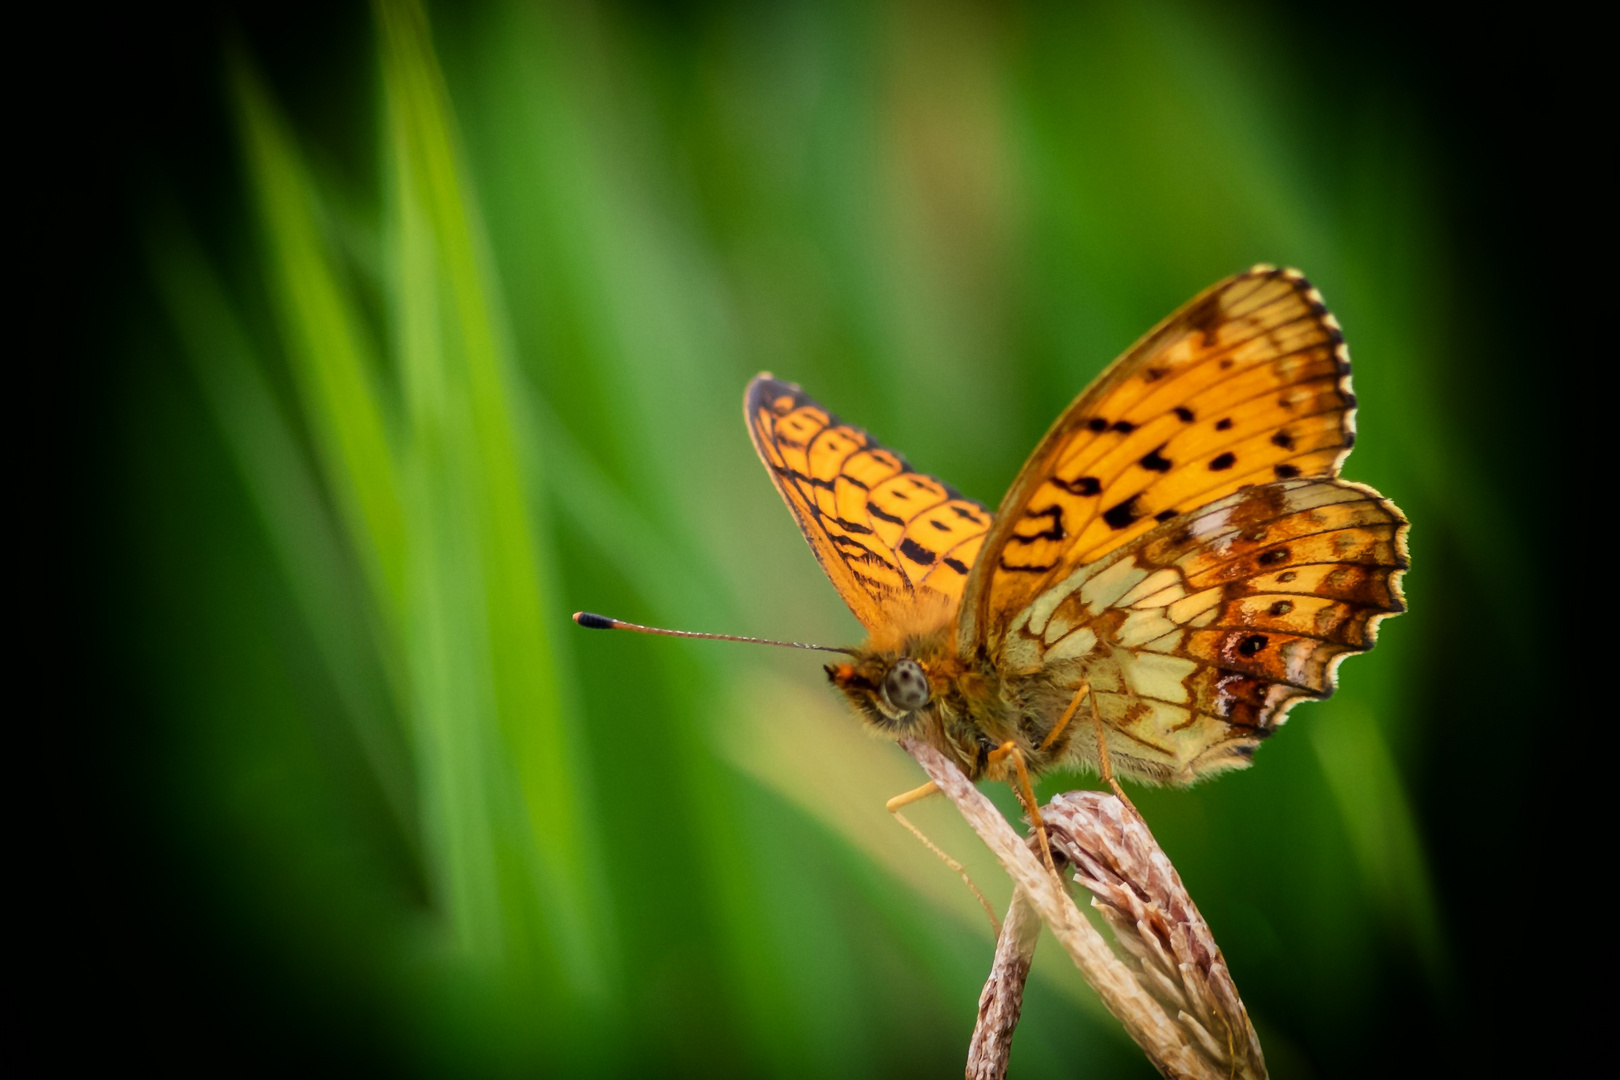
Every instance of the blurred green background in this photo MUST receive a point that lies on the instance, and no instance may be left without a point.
(417, 330)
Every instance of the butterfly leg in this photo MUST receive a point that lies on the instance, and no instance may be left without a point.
(1103, 764)
(1068, 714)
(914, 795)
(917, 795)
(1026, 793)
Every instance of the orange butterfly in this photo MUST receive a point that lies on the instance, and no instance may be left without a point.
(1180, 545)
(1179, 549)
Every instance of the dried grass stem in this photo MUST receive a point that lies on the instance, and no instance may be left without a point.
(1174, 998)
(1002, 1000)
(1138, 891)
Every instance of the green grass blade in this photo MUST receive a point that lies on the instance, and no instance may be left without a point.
(461, 389)
(286, 493)
(1379, 819)
(323, 333)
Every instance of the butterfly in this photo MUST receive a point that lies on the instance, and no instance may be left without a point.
(1179, 548)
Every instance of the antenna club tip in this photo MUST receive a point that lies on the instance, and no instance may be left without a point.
(592, 621)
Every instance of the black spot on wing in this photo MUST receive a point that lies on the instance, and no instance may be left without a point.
(1124, 427)
(1154, 461)
(801, 478)
(1223, 424)
(878, 512)
(916, 552)
(1097, 423)
(852, 548)
(1273, 557)
(1252, 644)
(1164, 515)
(956, 564)
(1223, 462)
(1085, 485)
(1285, 471)
(1121, 515)
(1054, 531)
(1184, 414)
(1284, 440)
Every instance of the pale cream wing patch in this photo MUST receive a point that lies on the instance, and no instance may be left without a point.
(1199, 636)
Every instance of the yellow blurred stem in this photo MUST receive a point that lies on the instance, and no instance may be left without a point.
(917, 795)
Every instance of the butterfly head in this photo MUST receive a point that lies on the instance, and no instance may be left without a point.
(891, 692)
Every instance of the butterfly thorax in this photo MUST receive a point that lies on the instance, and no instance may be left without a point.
(963, 708)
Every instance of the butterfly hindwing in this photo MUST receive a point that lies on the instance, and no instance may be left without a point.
(889, 537)
(1247, 383)
(1199, 636)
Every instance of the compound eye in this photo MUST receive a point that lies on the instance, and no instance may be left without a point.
(906, 686)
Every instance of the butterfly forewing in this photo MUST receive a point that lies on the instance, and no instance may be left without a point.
(889, 537)
(1248, 383)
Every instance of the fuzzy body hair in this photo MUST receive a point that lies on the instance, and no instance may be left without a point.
(972, 710)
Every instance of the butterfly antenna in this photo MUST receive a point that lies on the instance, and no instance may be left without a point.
(592, 621)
